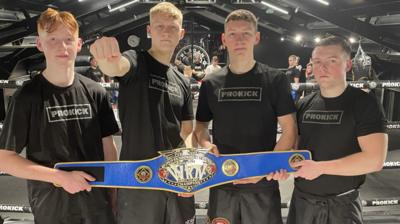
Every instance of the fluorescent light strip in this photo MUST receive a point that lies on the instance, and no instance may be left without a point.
(323, 2)
(275, 7)
(122, 6)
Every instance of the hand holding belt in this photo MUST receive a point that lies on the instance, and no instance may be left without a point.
(186, 169)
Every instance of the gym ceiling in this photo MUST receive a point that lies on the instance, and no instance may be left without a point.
(373, 23)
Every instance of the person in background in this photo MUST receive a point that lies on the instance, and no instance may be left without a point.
(213, 67)
(293, 73)
(94, 72)
(309, 73)
(198, 67)
(309, 79)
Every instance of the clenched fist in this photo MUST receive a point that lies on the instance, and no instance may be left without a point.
(106, 48)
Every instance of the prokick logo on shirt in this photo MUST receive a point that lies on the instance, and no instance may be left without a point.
(322, 117)
(163, 85)
(240, 94)
(69, 112)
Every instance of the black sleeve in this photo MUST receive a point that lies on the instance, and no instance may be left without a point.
(369, 116)
(14, 136)
(187, 109)
(108, 124)
(132, 57)
(299, 113)
(283, 103)
(203, 113)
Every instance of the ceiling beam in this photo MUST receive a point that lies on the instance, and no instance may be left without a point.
(27, 27)
(81, 9)
(19, 5)
(377, 8)
(114, 20)
(273, 19)
(348, 23)
(226, 9)
(18, 30)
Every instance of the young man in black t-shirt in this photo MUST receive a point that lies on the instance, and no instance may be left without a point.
(59, 116)
(93, 71)
(293, 73)
(344, 128)
(155, 110)
(245, 100)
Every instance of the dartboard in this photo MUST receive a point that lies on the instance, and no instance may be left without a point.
(185, 54)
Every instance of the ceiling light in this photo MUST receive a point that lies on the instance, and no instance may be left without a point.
(352, 40)
(282, 39)
(121, 6)
(323, 2)
(298, 38)
(276, 8)
(317, 39)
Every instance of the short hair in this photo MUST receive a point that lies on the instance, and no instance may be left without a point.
(242, 15)
(335, 41)
(215, 58)
(50, 19)
(168, 9)
(294, 56)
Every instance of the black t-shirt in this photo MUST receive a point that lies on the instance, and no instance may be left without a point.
(59, 124)
(329, 128)
(244, 109)
(153, 100)
(292, 73)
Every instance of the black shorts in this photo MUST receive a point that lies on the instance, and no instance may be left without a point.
(343, 209)
(245, 207)
(52, 205)
(154, 207)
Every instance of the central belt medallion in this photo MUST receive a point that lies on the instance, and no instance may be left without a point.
(186, 168)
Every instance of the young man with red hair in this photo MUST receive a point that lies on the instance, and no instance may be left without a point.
(59, 116)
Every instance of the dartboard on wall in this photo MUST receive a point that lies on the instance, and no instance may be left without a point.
(185, 55)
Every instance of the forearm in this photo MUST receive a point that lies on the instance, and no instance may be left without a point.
(286, 141)
(109, 149)
(289, 132)
(355, 164)
(185, 134)
(203, 136)
(186, 129)
(18, 166)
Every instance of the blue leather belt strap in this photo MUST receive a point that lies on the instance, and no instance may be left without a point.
(185, 170)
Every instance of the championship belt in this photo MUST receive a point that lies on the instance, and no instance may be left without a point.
(186, 170)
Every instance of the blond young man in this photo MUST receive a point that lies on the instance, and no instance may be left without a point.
(59, 116)
(155, 110)
(245, 100)
(344, 128)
